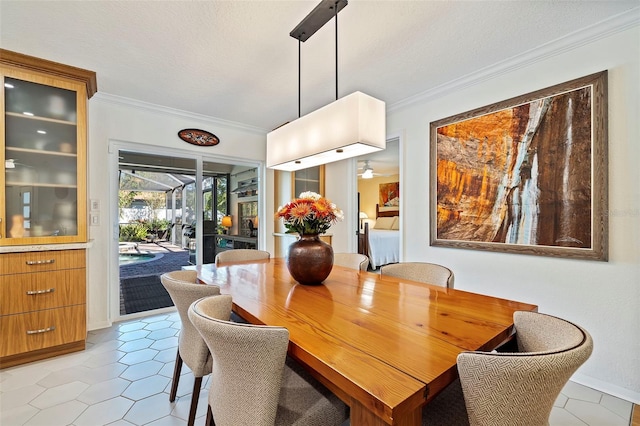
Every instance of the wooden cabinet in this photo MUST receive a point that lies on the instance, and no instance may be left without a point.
(43, 207)
(248, 219)
(43, 309)
(216, 243)
(43, 187)
(311, 179)
(230, 242)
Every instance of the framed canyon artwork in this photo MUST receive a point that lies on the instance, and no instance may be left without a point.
(389, 196)
(526, 175)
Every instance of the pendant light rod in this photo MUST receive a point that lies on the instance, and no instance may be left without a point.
(299, 78)
(336, 16)
(316, 19)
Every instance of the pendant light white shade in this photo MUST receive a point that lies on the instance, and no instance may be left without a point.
(351, 126)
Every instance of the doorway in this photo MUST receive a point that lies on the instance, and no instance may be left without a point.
(377, 173)
(170, 210)
(156, 207)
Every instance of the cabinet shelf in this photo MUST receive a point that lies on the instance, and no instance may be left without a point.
(40, 135)
(38, 118)
(40, 185)
(40, 152)
(247, 188)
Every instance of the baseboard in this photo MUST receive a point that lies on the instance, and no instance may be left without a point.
(608, 388)
(37, 355)
(99, 325)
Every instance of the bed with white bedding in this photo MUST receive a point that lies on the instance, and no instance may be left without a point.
(382, 241)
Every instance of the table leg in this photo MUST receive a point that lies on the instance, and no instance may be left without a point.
(362, 416)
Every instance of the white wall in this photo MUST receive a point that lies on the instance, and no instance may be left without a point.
(117, 120)
(603, 297)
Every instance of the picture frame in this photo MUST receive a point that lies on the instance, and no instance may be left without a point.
(198, 137)
(526, 175)
(389, 196)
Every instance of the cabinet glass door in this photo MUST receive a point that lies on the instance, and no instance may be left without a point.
(41, 152)
(311, 179)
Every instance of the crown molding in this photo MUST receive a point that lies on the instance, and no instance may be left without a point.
(590, 34)
(159, 109)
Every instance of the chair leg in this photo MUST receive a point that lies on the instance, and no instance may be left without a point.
(176, 377)
(194, 400)
(209, 420)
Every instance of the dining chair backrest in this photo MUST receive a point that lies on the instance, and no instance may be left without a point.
(241, 255)
(248, 365)
(520, 388)
(351, 260)
(253, 382)
(184, 289)
(429, 273)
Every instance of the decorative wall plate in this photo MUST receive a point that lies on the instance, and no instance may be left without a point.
(198, 137)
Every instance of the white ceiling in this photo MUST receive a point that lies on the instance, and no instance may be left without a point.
(235, 60)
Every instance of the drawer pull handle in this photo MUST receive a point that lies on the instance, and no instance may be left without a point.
(40, 262)
(43, 330)
(34, 292)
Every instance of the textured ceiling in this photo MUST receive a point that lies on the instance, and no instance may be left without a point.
(235, 60)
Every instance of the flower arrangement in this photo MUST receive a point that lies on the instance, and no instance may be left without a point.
(309, 214)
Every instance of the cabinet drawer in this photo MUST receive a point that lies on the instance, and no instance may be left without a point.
(38, 330)
(40, 261)
(21, 293)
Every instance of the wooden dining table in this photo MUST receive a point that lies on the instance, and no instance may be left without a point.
(386, 346)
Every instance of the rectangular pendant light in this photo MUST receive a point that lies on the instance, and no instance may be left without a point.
(348, 127)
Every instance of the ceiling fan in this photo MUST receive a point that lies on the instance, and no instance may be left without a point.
(367, 171)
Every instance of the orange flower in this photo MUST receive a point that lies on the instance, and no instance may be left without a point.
(309, 214)
(300, 211)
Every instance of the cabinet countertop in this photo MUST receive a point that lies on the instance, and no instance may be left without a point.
(45, 247)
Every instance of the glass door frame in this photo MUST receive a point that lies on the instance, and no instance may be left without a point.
(114, 147)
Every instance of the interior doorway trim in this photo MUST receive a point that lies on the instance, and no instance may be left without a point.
(400, 136)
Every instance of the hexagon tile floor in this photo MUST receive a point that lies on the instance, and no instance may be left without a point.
(123, 378)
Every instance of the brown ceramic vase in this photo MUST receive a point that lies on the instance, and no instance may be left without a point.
(310, 260)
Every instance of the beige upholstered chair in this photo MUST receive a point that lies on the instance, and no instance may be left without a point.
(241, 255)
(351, 260)
(251, 383)
(184, 289)
(519, 388)
(447, 408)
(429, 273)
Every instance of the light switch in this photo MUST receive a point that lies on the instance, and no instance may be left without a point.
(95, 219)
